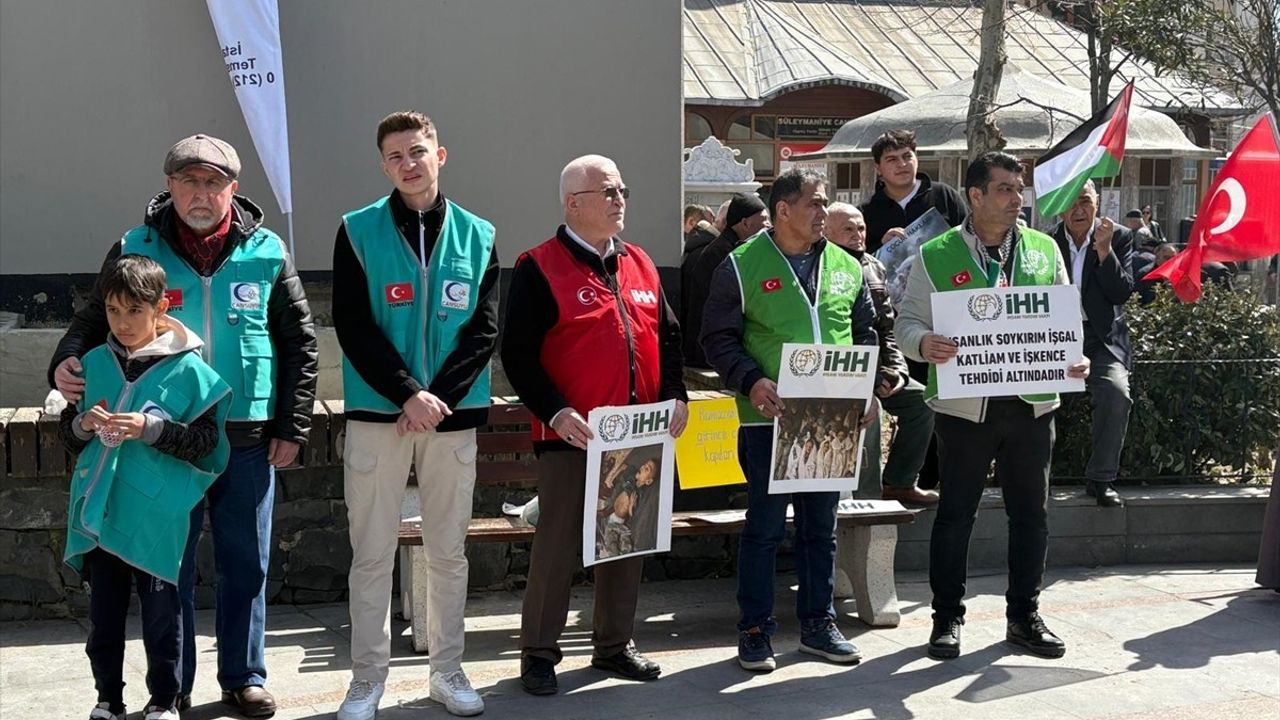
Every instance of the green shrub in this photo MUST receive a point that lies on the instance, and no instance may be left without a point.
(1205, 388)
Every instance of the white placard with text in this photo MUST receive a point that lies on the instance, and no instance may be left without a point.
(1013, 341)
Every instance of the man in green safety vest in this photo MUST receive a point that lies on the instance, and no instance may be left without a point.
(988, 249)
(784, 285)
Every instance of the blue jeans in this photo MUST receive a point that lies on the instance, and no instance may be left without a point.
(815, 546)
(240, 502)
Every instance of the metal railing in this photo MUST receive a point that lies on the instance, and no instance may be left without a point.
(1210, 420)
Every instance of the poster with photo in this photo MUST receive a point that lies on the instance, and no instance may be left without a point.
(630, 482)
(899, 254)
(817, 446)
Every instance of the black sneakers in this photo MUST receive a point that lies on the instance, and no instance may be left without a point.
(1031, 633)
(944, 640)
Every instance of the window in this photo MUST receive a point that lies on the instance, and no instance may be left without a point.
(764, 127)
(760, 153)
(848, 176)
(932, 168)
(1155, 171)
(696, 128)
(752, 135)
(1155, 176)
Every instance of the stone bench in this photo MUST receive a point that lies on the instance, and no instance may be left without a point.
(867, 533)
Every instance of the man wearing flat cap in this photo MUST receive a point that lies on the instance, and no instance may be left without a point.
(232, 281)
(745, 217)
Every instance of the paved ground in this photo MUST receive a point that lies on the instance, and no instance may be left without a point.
(1166, 642)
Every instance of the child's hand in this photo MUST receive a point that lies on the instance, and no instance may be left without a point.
(127, 425)
(96, 417)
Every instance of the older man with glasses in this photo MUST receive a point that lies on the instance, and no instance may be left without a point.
(587, 325)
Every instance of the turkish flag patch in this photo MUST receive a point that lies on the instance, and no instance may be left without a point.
(399, 293)
(174, 296)
(771, 285)
(960, 278)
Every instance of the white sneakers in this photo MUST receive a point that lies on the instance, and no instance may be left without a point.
(102, 711)
(362, 700)
(451, 689)
(455, 692)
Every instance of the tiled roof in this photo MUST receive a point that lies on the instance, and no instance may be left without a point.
(745, 52)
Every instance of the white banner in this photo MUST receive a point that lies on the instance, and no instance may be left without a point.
(630, 482)
(1013, 341)
(817, 446)
(249, 33)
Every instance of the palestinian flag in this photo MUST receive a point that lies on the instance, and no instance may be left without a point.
(1093, 150)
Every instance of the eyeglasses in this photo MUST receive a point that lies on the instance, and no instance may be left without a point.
(610, 193)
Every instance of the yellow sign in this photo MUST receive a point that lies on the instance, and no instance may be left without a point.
(707, 452)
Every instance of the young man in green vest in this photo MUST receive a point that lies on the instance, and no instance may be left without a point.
(231, 280)
(415, 307)
(784, 285)
(988, 249)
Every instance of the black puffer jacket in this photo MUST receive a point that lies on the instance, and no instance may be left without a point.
(288, 321)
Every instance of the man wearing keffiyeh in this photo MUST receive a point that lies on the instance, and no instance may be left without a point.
(989, 250)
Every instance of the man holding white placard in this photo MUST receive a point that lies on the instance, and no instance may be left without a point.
(988, 250)
(587, 326)
(786, 285)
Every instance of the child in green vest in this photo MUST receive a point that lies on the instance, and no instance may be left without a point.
(150, 436)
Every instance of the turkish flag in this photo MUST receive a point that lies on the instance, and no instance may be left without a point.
(771, 285)
(399, 293)
(960, 278)
(1238, 219)
(174, 296)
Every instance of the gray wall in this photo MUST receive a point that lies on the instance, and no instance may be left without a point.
(93, 93)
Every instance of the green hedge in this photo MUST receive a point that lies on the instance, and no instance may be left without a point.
(1205, 388)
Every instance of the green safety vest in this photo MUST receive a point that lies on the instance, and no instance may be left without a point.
(776, 310)
(134, 501)
(228, 309)
(951, 266)
(420, 309)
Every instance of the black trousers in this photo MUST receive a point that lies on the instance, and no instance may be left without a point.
(1021, 446)
(111, 581)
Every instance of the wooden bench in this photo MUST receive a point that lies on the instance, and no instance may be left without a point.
(866, 541)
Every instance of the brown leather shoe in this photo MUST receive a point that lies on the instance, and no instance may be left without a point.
(910, 495)
(254, 701)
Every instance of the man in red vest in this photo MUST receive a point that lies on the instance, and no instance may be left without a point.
(587, 325)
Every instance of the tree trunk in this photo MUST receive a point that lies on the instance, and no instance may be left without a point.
(1267, 14)
(1099, 49)
(980, 125)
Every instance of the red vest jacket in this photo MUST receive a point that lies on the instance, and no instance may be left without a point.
(603, 349)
